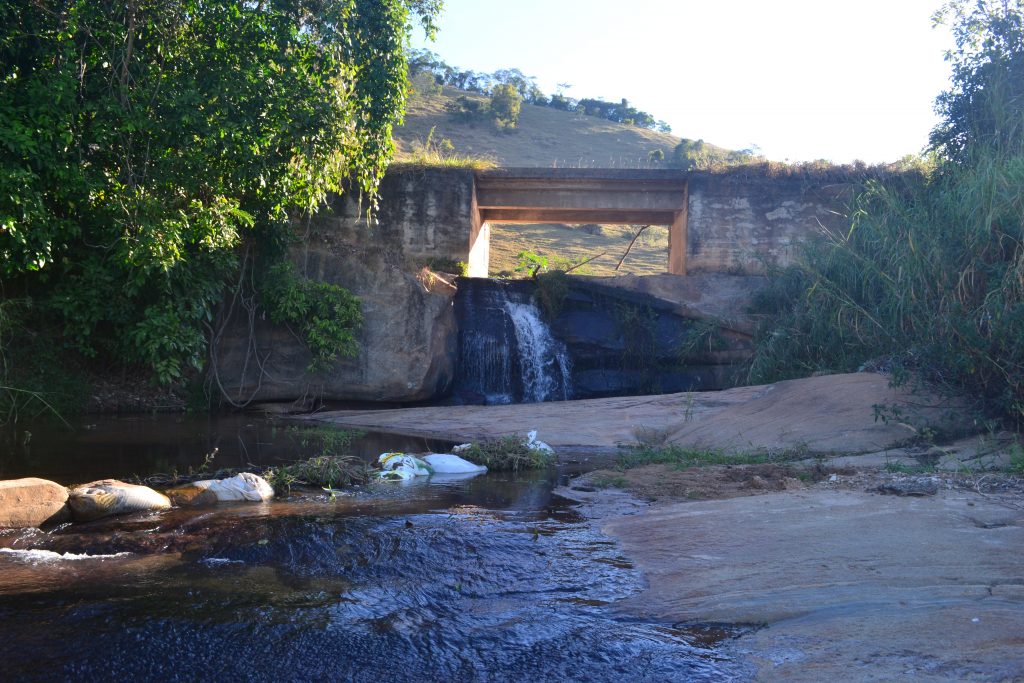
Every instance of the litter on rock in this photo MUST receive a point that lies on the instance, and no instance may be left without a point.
(534, 445)
(446, 463)
(399, 466)
(242, 486)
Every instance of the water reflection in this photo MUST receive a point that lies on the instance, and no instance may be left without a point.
(139, 445)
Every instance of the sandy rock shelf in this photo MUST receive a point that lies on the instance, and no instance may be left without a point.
(831, 414)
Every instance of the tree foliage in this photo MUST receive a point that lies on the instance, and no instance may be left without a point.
(930, 273)
(984, 108)
(140, 139)
(506, 102)
(507, 81)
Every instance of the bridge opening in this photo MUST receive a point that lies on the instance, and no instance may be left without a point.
(560, 206)
(602, 249)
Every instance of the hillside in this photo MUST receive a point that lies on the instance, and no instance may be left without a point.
(545, 137)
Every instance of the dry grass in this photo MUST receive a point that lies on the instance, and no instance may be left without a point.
(649, 255)
(544, 138)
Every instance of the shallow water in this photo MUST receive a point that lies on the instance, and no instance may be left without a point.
(491, 578)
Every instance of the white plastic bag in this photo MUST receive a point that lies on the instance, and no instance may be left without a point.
(446, 463)
(534, 445)
(402, 466)
(243, 486)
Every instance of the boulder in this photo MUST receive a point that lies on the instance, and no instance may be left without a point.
(32, 502)
(407, 341)
(112, 497)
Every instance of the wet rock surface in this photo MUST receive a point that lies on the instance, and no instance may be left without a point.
(852, 586)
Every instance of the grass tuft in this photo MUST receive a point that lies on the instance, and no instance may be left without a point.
(328, 471)
(432, 154)
(684, 457)
(507, 453)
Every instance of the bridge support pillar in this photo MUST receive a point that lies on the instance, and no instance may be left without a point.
(677, 238)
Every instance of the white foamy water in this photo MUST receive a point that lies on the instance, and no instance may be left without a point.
(219, 561)
(36, 556)
(544, 361)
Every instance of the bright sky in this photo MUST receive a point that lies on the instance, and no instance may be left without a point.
(801, 79)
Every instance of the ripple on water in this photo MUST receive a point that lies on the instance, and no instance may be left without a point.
(465, 593)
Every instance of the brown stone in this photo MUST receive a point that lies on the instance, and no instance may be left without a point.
(32, 502)
(192, 496)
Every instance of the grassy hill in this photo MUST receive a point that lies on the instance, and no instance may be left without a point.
(546, 138)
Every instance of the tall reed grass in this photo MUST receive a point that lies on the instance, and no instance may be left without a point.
(929, 275)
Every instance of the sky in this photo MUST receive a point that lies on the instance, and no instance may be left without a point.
(801, 80)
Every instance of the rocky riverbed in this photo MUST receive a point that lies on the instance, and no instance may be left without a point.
(855, 551)
(858, 578)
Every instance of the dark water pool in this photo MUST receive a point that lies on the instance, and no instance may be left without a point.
(493, 578)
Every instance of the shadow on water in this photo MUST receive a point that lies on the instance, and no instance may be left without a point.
(491, 578)
(120, 447)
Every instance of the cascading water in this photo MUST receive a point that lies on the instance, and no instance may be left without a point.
(543, 362)
(506, 352)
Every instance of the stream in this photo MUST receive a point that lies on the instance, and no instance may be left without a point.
(493, 578)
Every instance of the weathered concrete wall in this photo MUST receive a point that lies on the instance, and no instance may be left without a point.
(739, 223)
(423, 214)
(729, 223)
(407, 341)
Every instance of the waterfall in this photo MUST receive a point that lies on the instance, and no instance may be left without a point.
(543, 363)
(506, 352)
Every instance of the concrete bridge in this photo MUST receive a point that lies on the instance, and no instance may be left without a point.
(733, 223)
(718, 222)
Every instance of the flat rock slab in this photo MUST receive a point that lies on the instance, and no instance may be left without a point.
(827, 414)
(832, 414)
(852, 586)
(602, 423)
(598, 422)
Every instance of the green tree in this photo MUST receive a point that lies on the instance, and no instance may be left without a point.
(505, 105)
(984, 108)
(140, 139)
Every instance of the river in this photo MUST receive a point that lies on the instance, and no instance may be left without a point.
(493, 578)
